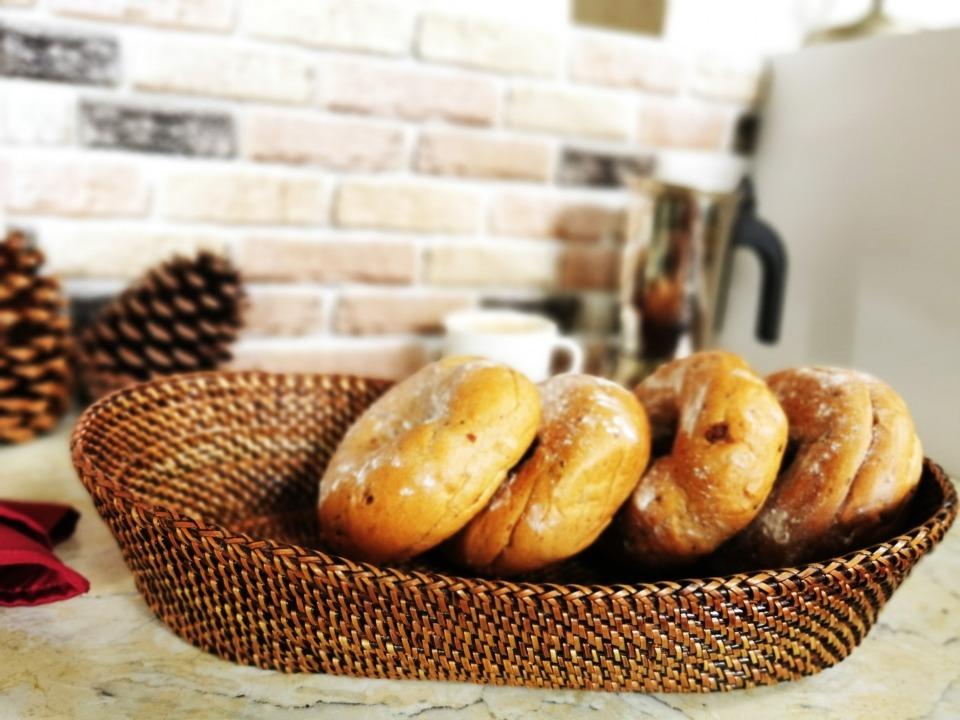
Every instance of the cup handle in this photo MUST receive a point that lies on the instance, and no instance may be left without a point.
(573, 352)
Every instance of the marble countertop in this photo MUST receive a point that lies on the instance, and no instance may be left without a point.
(105, 655)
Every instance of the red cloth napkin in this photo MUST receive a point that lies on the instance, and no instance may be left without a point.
(30, 573)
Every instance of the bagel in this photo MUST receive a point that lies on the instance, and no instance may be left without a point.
(592, 446)
(723, 434)
(425, 458)
(856, 459)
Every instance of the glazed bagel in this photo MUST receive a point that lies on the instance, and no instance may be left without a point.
(591, 448)
(425, 458)
(726, 435)
(856, 459)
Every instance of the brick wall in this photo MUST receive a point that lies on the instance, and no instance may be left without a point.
(368, 164)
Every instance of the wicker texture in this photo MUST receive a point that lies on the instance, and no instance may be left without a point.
(181, 316)
(208, 482)
(35, 377)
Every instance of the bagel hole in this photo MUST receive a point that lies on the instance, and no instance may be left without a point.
(789, 454)
(662, 441)
(718, 432)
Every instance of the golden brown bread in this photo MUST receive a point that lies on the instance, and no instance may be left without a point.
(857, 459)
(425, 458)
(592, 446)
(727, 435)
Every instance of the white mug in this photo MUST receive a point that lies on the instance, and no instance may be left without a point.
(524, 341)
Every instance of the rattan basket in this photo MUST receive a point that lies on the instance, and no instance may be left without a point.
(208, 483)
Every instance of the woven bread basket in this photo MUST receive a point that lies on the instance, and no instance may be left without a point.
(208, 482)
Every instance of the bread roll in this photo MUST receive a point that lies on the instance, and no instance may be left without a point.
(425, 458)
(592, 446)
(724, 435)
(855, 460)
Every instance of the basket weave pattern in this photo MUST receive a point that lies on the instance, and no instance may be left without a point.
(208, 484)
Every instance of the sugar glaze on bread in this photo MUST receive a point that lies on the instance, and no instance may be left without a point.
(727, 435)
(591, 448)
(425, 458)
(856, 459)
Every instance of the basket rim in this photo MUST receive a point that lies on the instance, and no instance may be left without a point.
(770, 582)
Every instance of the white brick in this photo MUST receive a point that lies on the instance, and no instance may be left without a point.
(346, 259)
(488, 44)
(388, 359)
(534, 215)
(349, 145)
(381, 27)
(188, 14)
(245, 198)
(474, 154)
(616, 60)
(414, 207)
(105, 251)
(73, 188)
(492, 265)
(36, 114)
(379, 313)
(569, 112)
(727, 79)
(407, 92)
(684, 125)
(221, 70)
(284, 311)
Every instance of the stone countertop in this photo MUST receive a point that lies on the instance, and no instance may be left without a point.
(105, 655)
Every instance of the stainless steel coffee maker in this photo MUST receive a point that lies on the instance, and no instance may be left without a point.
(676, 267)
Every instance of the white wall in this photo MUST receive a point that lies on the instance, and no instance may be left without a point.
(752, 26)
(859, 169)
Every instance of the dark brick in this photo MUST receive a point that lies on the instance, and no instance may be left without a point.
(170, 132)
(58, 56)
(600, 169)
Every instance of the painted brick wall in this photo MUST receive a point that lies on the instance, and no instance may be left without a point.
(370, 165)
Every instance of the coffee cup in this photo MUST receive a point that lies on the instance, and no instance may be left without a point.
(525, 341)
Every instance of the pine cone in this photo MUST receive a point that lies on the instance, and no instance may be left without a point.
(35, 374)
(180, 317)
